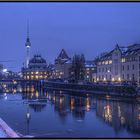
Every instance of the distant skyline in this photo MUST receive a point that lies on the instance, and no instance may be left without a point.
(89, 28)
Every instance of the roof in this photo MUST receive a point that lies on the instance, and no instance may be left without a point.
(68, 62)
(63, 55)
(125, 51)
(37, 59)
(109, 54)
(90, 64)
(132, 50)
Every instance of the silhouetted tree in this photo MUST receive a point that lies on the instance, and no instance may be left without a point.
(77, 70)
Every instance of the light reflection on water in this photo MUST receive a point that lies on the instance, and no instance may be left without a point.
(61, 114)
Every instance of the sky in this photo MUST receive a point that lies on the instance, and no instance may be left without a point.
(90, 28)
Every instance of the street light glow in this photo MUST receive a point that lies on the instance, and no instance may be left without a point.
(4, 70)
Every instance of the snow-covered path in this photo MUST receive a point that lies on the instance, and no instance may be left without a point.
(6, 131)
(2, 134)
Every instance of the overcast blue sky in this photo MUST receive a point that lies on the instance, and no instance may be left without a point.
(89, 28)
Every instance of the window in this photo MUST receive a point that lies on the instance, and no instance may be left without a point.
(123, 76)
(106, 62)
(133, 77)
(133, 59)
(127, 76)
(127, 67)
(133, 67)
(122, 67)
(123, 60)
(102, 69)
(110, 61)
(102, 77)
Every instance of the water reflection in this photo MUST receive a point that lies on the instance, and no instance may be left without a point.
(116, 113)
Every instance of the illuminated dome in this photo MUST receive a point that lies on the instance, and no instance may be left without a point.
(37, 59)
(37, 62)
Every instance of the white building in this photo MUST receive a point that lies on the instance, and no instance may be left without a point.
(120, 64)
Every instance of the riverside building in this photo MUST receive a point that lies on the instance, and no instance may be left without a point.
(62, 65)
(90, 71)
(37, 69)
(122, 64)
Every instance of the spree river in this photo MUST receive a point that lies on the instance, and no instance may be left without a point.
(62, 114)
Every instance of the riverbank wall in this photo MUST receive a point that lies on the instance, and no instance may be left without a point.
(114, 90)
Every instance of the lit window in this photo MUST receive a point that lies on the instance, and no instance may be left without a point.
(87, 72)
(37, 72)
(103, 62)
(106, 62)
(123, 60)
(32, 72)
(113, 79)
(61, 73)
(32, 77)
(37, 94)
(36, 77)
(110, 61)
(119, 79)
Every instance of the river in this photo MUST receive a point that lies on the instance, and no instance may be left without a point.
(65, 114)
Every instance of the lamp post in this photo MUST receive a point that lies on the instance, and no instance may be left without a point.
(28, 118)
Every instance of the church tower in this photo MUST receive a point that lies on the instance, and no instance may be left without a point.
(28, 45)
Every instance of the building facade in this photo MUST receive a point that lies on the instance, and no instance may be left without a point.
(37, 69)
(90, 71)
(62, 65)
(119, 65)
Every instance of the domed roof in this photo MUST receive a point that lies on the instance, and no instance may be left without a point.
(37, 59)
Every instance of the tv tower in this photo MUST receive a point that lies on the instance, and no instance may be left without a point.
(28, 45)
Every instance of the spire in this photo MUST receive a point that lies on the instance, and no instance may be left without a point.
(28, 28)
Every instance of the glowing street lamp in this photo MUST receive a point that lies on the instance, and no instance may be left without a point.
(4, 70)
